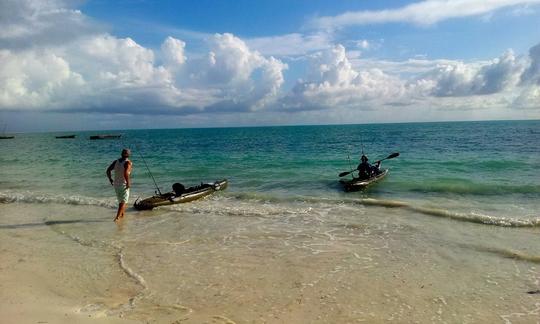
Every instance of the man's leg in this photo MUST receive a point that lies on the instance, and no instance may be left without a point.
(120, 212)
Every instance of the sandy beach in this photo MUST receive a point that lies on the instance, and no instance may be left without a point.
(202, 268)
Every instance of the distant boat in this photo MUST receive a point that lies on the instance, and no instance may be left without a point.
(66, 136)
(105, 136)
(3, 136)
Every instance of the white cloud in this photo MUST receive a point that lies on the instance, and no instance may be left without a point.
(532, 73)
(332, 82)
(448, 85)
(173, 52)
(94, 71)
(363, 44)
(246, 79)
(420, 13)
(291, 44)
(108, 74)
(405, 68)
(460, 79)
(116, 62)
(36, 79)
(529, 99)
(28, 23)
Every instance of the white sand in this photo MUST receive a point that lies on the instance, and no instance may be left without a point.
(199, 268)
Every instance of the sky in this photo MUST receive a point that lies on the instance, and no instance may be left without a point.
(131, 64)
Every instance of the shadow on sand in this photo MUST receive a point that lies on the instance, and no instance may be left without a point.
(49, 223)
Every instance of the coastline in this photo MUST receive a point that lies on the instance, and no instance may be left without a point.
(60, 267)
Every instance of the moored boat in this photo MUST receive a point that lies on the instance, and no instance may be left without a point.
(7, 137)
(189, 194)
(65, 136)
(105, 136)
(357, 184)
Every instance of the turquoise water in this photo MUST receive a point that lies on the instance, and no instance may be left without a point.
(449, 236)
(485, 168)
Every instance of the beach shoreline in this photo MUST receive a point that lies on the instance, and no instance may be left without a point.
(238, 269)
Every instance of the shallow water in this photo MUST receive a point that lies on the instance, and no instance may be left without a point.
(432, 242)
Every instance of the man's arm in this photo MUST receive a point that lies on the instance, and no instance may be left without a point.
(127, 171)
(109, 170)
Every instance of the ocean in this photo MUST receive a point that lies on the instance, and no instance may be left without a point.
(450, 235)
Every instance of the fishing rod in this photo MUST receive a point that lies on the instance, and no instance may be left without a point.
(147, 168)
(349, 159)
(144, 161)
(362, 143)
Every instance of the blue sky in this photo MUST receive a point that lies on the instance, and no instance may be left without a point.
(72, 65)
(457, 38)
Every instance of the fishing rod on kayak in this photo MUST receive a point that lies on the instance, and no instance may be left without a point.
(362, 144)
(349, 159)
(147, 168)
(144, 161)
(391, 156)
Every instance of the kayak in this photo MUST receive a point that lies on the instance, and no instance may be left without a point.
(359, 184)
(190, 194)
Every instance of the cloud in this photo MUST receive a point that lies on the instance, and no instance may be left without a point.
(406, 68)
(36, 79)
(294, 44)
(173, 52)
(333, 82)
(460, 79)
(421, 13)
(27, 23)
(95, 72)
(529, 99)
(116, 75)
(244, 78)
(532, 74)
(56, 58)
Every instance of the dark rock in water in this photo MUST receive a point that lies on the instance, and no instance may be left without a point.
(531, 292)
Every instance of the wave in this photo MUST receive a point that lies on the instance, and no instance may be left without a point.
(33, 198)
(477, 218)
(266, 205)
(467, 187)
(505, 253)
(471, 217)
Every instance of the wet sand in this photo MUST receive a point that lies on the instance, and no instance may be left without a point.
(40, 274)
(193, 265)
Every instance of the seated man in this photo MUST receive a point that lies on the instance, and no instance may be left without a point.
(366, 170)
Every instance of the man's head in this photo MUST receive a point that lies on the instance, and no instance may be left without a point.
(126, 153)
(364, 158)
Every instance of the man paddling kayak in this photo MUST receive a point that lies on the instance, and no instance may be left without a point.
(366, 170)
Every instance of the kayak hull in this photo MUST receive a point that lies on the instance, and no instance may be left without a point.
(191, 194)
(357, 184)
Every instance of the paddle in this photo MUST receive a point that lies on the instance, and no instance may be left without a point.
(391, 156)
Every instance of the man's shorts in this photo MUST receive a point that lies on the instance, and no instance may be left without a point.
(122, 194)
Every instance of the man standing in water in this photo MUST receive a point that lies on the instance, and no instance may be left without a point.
(121, 182)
